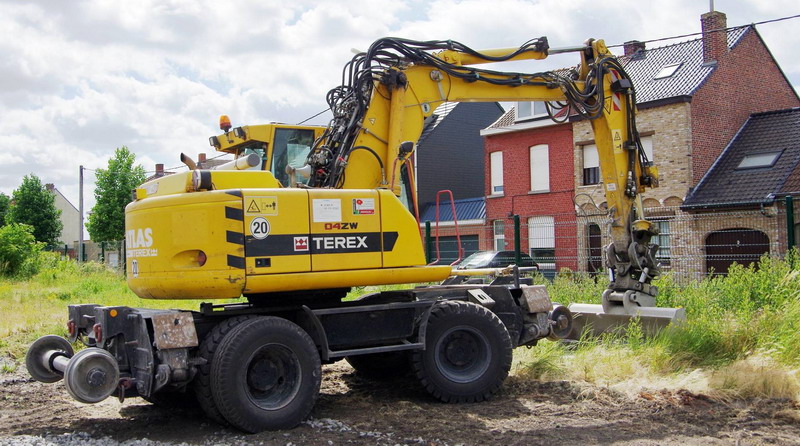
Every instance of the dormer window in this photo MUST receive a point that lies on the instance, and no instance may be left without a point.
(667, 71)
(757, 160)
(530, 110)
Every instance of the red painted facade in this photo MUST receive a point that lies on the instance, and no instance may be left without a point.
(517, 198)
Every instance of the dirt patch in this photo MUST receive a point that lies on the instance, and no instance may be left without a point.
(352, 410)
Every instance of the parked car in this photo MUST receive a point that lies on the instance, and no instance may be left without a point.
(494, 259)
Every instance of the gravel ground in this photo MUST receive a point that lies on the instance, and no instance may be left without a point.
(352, 410)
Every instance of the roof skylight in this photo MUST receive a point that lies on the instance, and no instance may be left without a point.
(667, 71)
(759, 160)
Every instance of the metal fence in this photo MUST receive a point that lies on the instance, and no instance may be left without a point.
(692, 244)
(110, 253)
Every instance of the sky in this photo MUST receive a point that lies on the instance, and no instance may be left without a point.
(81, 78)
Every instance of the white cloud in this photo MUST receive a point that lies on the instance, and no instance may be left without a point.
(82, 78)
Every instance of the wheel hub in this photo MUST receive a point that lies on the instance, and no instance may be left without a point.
(462, 354)
(273, 376)
(460, 350)
(264, 375)
(96, 378)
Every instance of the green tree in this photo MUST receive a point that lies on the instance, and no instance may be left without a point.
(4, 203)
(33, 205)
(112, 192)
(17, 246)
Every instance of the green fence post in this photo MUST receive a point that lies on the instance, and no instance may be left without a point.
(791, 242)
(428, 242)
(517, 242)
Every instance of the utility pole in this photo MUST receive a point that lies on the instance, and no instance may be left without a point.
(80, 215)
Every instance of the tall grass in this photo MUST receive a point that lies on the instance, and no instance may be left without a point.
(37, 305)
(741, 336)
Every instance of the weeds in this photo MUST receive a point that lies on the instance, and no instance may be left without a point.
(37, 305)
(741, 337)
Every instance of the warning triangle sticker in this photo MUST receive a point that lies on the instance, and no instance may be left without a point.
(253, 207)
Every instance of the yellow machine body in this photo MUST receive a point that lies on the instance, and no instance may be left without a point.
(239, 239)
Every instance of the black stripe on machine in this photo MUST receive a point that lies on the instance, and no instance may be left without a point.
(300, 244)
(234, 237)
(234, 213)
(235, 261)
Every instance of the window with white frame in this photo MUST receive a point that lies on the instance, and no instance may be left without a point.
(499, 231)
(529, 110)
(591, 165)
(591, 160)
(663, 255)
(647, 145)
(496, 166)
(667, 71)
(542, 241)
(540, 168)
(756, 160)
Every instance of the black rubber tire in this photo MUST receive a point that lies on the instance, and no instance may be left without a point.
(266, 375)
(467, 353)
(202, 381)
(381, 365)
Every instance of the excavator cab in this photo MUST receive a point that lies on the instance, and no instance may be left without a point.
(281, 149)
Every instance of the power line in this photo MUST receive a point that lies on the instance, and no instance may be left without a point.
(308, 119)
(714, 30)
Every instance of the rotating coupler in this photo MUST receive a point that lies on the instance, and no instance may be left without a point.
(90, 376)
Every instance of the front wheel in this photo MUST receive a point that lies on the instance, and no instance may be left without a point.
(266, 375)
(467, 353)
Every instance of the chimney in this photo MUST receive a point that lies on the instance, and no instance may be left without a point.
(50, 187)
(633, 46)
(159, 169)
(715, 37)
(201, 158)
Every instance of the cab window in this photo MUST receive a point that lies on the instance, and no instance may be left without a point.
(290, 148)
(259, 149)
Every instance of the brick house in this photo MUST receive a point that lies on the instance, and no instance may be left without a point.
(756, 171)
(529, 158)
(692, 98)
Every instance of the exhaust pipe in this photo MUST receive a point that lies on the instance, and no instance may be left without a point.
(90, 376)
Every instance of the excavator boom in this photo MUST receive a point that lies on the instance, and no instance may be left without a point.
(380, 112)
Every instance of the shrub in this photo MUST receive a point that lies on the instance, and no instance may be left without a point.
(19, 250)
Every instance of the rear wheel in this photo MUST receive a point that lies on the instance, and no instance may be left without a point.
(467, 354)
(202, 382)
(266, 375)
(381, 365)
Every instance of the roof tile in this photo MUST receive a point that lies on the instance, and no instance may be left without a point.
(643, 66)
(466, 209)
(725, 185)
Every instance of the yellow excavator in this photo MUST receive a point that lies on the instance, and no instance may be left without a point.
(304, 214)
